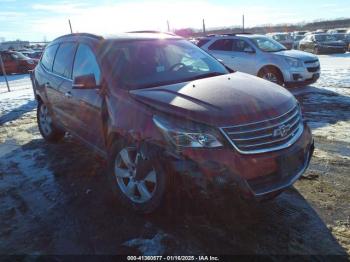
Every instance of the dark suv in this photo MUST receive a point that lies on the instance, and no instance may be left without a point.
(157, 106)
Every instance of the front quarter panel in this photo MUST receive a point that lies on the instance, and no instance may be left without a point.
(130, 119)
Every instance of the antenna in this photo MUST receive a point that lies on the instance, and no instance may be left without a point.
(70, 26)
(243, 23)
(167, 22)
(203, 27)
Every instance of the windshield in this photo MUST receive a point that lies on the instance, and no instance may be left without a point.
(325, 38)
(149, 63)
(267, 44)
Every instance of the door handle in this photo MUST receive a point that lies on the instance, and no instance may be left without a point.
(68, 94)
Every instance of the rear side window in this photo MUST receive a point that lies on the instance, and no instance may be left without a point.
(239, 45)
(64, 60)
(85, 63)
(222, 45)
(202, 42)
(48, 56)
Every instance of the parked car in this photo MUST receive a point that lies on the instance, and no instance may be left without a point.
(264, 57)
(337, 31)
(15, 62)
(345, 38)
(322, 43)
(282, 38)
(296, 40)
(299, 33)
(157, 106)
(318, 31)
(32, 54)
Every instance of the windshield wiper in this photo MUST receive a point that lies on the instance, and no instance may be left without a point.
(211, 74)
(278, 50)
(170, 82)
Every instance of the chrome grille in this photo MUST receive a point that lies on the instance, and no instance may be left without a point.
(267, 135)
(312, 65)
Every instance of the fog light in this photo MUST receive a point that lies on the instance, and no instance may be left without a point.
(296, 77)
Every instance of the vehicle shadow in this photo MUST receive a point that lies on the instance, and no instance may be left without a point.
(335, 107)
(17, 112)
(12, 77)
(63, 205)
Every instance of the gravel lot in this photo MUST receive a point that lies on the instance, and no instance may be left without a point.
(55, 199)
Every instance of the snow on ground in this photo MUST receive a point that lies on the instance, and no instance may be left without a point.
(335, 73)
(17, 102)
(326, 103)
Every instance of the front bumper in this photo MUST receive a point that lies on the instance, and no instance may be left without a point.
(305, 82)
(257, 176)
(307, 75)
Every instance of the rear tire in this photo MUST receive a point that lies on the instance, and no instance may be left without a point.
(142, 195)
(47, 128)
(271, 74)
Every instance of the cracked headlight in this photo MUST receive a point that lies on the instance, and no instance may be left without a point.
(187, 135)
(294, 63)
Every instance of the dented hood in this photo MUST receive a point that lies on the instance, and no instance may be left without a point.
(219, 101)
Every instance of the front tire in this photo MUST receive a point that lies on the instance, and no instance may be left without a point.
(138, 181)
(47, 128)
(272, 75)
(316, 51)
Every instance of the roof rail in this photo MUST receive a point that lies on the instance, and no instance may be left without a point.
(229, 34)
(150, 32)
(81, 34)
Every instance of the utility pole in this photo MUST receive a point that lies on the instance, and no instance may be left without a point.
(167, 22)
(70, 26)
(4, 73)
(243, 23)
(204, 27)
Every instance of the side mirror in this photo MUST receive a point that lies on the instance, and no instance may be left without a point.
(249, 50)
(85, 82)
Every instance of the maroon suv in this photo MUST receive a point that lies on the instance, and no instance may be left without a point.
(156, 105)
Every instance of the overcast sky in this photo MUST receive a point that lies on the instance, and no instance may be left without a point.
(36, 20)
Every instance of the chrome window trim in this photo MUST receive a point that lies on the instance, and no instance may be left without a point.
(52, 73)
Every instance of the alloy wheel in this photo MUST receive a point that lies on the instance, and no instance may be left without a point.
(125, 169)
(270, 77)
(45, 120)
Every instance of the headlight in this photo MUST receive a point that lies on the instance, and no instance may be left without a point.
(31, 62)
(294, 63)
(190, 135)
(299, 109)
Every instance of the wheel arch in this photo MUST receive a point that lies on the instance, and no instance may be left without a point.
(270, 66)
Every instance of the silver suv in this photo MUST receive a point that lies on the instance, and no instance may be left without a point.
(264, 57)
